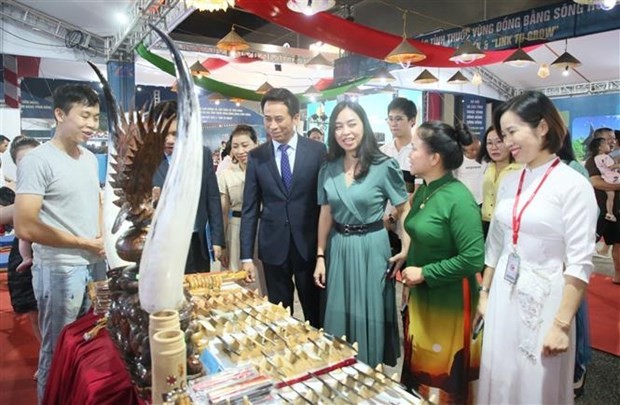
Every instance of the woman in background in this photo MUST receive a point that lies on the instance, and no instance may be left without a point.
(500, 162)
(446, 253)
(583, 353)
(353, 247)
(538, 262)
(231, 181)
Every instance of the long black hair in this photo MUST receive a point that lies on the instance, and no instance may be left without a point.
(566, 152)
(367, 152)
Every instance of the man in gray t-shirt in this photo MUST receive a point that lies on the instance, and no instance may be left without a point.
(57, 209)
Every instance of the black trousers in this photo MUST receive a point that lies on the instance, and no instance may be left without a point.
(196, 262)
(280, 287)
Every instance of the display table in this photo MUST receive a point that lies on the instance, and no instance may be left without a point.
(88, 372)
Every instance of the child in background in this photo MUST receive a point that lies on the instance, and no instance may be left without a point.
(609, 171)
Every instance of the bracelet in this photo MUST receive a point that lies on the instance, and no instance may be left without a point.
(562, 325)
(484, 289)
(320, 256)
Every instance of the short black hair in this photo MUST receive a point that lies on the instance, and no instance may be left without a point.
(445, 140)
(405, 105)
(4, 138)
(600, 131)
(164, 110)
(20, 142)
(67, 95)
(533, 107)
(283, 96)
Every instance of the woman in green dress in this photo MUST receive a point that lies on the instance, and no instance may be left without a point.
(353, 246)
(447, 250)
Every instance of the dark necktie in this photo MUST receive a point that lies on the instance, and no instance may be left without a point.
(285, 167)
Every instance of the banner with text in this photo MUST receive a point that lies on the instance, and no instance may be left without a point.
(538, 25)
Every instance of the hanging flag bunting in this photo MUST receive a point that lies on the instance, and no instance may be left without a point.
(234, 91)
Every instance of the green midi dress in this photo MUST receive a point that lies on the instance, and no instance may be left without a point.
(361, 301)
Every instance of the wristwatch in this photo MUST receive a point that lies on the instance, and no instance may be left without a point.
(484, 289)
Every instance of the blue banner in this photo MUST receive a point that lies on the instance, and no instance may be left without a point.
(538, 25)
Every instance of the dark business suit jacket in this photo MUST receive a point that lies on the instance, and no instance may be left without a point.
(283, 215)
(209, 205)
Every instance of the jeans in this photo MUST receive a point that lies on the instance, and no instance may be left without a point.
(583, 351)
(62, 297)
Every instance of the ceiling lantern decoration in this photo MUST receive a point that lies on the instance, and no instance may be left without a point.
(310, 7)
(425, 77)
(519, 58)
(467, 53)
(210, 5)
(405, 53)
(232, 42)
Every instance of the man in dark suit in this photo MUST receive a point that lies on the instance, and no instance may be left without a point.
(209, 205)
(281, 191)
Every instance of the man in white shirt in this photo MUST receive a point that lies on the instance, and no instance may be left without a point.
(471, 171)
(402, 115)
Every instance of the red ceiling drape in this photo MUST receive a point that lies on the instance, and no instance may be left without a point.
(355, 37)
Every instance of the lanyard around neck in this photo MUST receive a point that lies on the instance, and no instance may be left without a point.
(516, 217)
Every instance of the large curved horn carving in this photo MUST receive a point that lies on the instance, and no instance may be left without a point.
(163, 260)
(110, 210)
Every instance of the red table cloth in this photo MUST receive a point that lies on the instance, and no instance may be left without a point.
(88, 372)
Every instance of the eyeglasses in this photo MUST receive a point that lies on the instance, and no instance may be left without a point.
(495, 144)
(397, 119)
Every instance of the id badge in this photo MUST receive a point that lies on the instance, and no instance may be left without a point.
(512, 268)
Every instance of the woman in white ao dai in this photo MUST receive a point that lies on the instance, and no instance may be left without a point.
(528, 348)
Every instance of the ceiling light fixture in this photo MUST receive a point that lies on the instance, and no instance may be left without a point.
(312, 93)
(310, 7)
(210, 5)
(232, 42)
(458, 78)
(477, 79)
(425, 77)
(605, 4)
(382, 76)
(519, 58)
(264, 88)
(566, 71)
(319, 62)
(566, 60)
(467, 53)
(543, 71)
(405, 53)
(198, 70)
(216, 98)
(387, 89)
